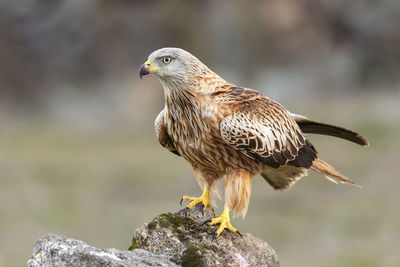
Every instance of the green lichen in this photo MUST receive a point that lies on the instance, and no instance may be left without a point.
(192, 257)
(178, 223)
(204, 247)
(184, 228)
(164, 220)
(134, 244)
(152, 224)
(137, 242)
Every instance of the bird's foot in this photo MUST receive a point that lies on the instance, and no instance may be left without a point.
(204, 199)
(224, 222)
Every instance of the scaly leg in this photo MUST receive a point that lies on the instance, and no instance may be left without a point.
(204, 199)
(237, 196)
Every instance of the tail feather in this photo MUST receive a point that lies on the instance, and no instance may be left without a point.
(330, 173)
(309, 126)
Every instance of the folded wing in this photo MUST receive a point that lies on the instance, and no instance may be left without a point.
(264, 131)
(162, 134)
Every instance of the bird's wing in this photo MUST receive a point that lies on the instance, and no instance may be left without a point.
(263, 130)
(309, 126)
(162, 134)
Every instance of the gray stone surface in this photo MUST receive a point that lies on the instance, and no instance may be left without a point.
(186, 242)
(55, 250)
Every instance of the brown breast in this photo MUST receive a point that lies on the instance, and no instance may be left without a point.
(193, 123)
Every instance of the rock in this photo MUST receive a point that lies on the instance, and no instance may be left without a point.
(186, 242)
(170, 239)
(55, 250)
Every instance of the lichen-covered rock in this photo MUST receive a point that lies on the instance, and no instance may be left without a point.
(170, 239)
(55, 250)
(186, 242)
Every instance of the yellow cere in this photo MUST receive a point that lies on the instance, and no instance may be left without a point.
(148, 65)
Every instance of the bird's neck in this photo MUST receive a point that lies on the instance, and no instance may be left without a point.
(178, 98)
(201, 83)
(192, 92)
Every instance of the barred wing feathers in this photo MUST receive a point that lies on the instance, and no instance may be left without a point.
(264, 131)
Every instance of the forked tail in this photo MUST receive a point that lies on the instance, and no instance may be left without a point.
(314, 127)
(330, 173)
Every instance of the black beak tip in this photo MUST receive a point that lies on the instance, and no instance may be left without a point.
(143, 71)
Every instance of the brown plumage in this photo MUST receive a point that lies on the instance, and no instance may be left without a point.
(225, 130)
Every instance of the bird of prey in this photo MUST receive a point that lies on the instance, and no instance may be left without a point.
(224, 130)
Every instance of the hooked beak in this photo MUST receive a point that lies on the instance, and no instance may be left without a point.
(147, 69)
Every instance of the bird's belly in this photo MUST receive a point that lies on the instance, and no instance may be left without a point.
(202, 146)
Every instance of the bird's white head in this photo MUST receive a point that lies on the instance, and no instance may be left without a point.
(173, 66)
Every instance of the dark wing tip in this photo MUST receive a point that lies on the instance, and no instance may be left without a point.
(363, 141)
(313, 127)
(357, 138)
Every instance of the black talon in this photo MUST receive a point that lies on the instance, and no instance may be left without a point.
(186, 211)
(181, 201)
(239, 233)
(202, 209)
(214, 236)
(206, 221)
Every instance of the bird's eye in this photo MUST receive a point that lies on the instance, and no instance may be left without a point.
(166, 60)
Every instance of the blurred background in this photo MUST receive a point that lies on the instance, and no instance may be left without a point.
(78, 152)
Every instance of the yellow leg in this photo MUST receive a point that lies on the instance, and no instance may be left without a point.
(204, 198)
(225, 222)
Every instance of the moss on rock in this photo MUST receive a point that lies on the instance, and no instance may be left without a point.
(181, 238)
(177, 223)
(192, 257)
(137, 242)
(152, 224)
(133, 244)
